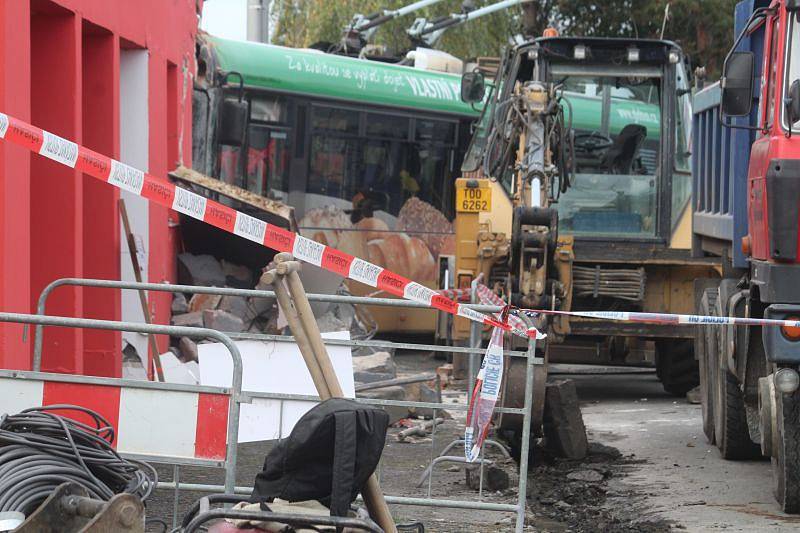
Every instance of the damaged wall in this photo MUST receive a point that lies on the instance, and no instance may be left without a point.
(60, 69)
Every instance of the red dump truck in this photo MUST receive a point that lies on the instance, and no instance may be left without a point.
(746, 205)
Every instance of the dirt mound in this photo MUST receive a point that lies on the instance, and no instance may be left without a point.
(586, 495)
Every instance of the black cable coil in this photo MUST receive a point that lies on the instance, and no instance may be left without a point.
(40, 450)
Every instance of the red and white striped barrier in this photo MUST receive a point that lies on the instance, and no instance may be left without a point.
(184, 201)
(150, 422)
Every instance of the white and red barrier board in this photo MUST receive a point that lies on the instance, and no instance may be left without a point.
(151, 422)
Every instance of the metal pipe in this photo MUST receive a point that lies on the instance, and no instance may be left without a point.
(397, 500)
(396, 381)
(220, 291)
(178, 331)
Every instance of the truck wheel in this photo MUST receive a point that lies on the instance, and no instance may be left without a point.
(676, 367)
(705, 345)
(786, 466)
(731, 433)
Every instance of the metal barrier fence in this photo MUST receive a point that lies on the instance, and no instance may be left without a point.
(234, 392)
(474, 349)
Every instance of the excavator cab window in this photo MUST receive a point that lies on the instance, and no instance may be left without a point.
(616, 123)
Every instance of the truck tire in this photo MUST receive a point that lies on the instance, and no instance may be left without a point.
(786, 466)
(731, 433)
(676, 366)
(705, 345)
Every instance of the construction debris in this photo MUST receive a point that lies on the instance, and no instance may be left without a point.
(381, 362)
(202, 270)
(189, 320)
(179, 304)
(188, 349)
(222, 321)
(422, 430)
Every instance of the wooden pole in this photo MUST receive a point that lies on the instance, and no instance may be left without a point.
(142, 296)
(303, 325)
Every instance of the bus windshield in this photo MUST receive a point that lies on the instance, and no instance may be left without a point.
(372, 182)
(617, 126)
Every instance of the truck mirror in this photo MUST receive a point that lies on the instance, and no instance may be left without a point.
(473, 87)
(793, 103)
(233, 115)
(737, 84)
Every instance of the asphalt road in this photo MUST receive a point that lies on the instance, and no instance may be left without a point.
(681, 478)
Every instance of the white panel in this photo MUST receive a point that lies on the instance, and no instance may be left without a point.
(134, 142)
(276, 367)
(159, 422)
(18, 394)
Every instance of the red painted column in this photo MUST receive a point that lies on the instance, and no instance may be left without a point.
(101, 222)
(15, 246)
(56, 215)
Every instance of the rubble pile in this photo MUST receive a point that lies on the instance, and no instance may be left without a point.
(234, 314)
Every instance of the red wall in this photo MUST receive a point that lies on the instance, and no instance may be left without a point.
(59, 68)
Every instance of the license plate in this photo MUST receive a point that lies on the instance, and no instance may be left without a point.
(474, 200)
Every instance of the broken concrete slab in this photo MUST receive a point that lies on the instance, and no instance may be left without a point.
(388, 393)
(379, 362)
(329, 322)
(179, 303)
(237, 276)
(494, 477)
(202, 270)
(188, 349)
(235, 305)
(564, 431)
(133, 370)
(201, 302)
(192, 320)
(222, 321)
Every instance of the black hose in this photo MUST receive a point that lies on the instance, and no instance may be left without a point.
(40, 450)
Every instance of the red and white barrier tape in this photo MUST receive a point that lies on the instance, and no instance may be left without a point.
(184, 201)
(484, 397)
(668, 318)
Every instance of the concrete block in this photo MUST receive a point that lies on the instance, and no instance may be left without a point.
(388, 393)
(193, 320)
(564, 431)
(379, 362)
(235, 305)
(222, 321)
(201, 302)
(202, 270)
(179, 304)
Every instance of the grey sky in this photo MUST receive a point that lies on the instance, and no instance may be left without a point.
(225, 18)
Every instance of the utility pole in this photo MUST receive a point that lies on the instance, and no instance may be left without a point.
(258, 20)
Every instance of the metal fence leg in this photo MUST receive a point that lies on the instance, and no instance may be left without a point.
(176, 475)
(526, 437)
